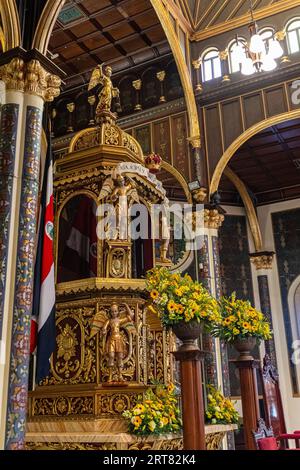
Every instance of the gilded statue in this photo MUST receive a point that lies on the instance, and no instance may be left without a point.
(107, 92)
(119, 191)
(113, 345)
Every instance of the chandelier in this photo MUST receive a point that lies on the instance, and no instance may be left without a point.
(258, 55)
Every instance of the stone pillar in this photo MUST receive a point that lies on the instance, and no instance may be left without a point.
(264, 262)
(248, 373)
(35, 85)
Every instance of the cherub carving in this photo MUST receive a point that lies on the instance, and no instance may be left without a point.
(113, 345)
(108, 91)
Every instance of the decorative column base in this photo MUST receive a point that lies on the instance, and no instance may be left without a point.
(192, 398)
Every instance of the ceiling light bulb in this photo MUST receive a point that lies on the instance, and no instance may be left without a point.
(257, 45)
(268, 63)
(247, 67)
(275, 49)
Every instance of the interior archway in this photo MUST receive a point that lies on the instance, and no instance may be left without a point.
(11, 25)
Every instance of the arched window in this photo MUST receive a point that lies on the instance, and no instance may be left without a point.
(267, 34)
(211, 65)
(236, 54)
(293, 36)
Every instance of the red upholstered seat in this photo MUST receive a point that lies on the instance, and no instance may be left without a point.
(267, 443)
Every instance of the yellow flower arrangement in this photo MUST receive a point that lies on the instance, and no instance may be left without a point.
(176, 298)
(220, 410)
(156, 413)
(240, 320)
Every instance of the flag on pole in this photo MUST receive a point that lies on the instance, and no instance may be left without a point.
(43, 318)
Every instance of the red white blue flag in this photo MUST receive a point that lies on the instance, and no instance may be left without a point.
(43, 319)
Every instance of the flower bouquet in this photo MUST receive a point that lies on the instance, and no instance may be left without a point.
(178, 299)
(242, 325)
(220, 410)
(157, 413)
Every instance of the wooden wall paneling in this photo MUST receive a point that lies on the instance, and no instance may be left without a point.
(293, 94)
(253, 109)
(232, 122)
(180, 144)
(213, 136)
(143, 136)
(276, 101)
(162, 139)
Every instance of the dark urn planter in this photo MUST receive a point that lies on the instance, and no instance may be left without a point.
(245, 346)
(188, 333)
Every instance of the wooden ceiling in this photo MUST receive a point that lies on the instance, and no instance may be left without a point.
(269, 165)
(203, 14)
(122, 33)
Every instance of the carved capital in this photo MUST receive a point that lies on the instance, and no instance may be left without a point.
(199, 195)
(196, 64)
(92, 100)
(137, 84)
(262, 260)
(30, 77)
(195, 142)
(161, 75)
(280, 35)
(223, 55)
(213, 219)
(71, 107)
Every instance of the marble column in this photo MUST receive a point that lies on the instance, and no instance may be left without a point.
(216, 361)
(216, 357)
(36, 86)
(264, 263)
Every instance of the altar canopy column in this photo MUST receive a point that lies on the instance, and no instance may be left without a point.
(34, 86)
(264, 264)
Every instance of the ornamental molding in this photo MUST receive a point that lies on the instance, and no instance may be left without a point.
(262, 260)
(30, 77)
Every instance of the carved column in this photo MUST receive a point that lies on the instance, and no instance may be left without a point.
(71, 109)
(281, 37)
(92, 102)
(36, 86)
(192, 398)
(137, 85)
(248, 372)
(197, 68)
(161, 76)
(197, 157)
(264, 264)
(225, 66)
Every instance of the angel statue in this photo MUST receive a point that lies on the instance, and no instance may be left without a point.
(108, 91)
(113, 345)
(121, 192)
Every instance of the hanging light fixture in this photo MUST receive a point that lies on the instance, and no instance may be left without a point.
(257, 56)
